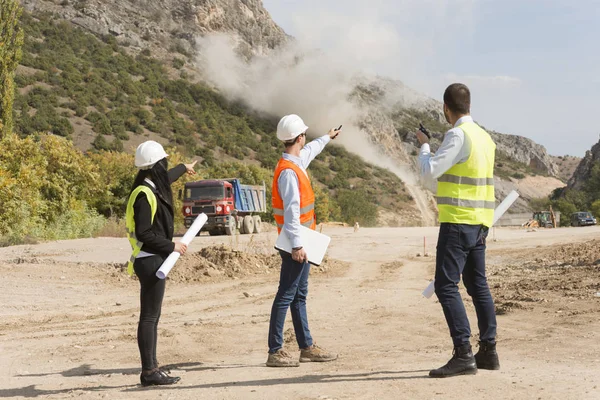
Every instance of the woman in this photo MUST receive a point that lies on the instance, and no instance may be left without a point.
(149, 219)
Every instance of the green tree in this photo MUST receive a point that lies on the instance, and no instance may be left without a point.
(595, 208)
(11, 40)
(357, 206)
(321, 204)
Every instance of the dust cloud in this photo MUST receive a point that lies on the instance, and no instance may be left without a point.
(310, 83)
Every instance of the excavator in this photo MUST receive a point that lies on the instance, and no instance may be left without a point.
(542, 219)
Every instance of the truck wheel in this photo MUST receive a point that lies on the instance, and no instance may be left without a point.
(257, 224)
(232, 227)
(248, 224)
(214, 232)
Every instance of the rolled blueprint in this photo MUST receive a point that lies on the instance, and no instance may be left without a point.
(191, 233)
(505, 205)
(498, 213)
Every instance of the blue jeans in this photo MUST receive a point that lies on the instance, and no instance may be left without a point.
(293, 289)
(461, 250)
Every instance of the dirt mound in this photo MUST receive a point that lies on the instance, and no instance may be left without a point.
(570, 271)
(576, 254)
(222, 261)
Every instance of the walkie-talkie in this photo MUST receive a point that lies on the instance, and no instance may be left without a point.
(425, 131)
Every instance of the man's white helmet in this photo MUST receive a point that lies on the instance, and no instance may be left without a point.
(290, 127)
(148, 154)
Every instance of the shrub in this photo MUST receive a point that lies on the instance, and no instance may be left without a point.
(178, 63)
(357, 206)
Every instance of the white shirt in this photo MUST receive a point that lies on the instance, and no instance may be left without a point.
(289, 187)
(455, 149)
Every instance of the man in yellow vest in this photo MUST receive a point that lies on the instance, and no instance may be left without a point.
(464, 169)
(294, 206)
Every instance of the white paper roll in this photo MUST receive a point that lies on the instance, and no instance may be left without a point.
(429, 290)
(167, 265)
(498, 213)
(194, 229)
(191, 233)
(505, 205)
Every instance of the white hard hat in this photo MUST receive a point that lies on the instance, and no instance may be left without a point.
(148, 154)
(290, 127)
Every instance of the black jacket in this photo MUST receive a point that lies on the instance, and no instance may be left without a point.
(157, 236)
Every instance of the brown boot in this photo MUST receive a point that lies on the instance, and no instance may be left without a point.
(315, 353)
(282, 358)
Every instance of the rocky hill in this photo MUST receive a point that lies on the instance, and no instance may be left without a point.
(525, 151)
(583, 172)
(389, 112)
(170, 24)
(566, 166)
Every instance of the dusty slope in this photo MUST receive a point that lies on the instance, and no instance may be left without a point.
(68, 330)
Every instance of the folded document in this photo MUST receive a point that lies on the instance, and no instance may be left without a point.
(315, 244)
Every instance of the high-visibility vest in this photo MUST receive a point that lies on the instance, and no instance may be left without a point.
(307, 196)
(136, 245)
(465, 193)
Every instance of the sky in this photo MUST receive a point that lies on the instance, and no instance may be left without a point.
(532, 65)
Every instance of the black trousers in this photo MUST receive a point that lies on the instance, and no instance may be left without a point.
(151, 297)
(461, 251)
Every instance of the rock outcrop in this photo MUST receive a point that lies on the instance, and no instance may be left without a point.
(526, 151)
(170, 24)
(584, 169)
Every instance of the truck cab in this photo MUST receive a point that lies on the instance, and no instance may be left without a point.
(229, 206)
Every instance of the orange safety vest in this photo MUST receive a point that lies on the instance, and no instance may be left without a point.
(307, 196)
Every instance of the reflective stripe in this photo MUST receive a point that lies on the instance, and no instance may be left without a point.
(466, 203)
(308, 208)
(465, 180)
(307, 224)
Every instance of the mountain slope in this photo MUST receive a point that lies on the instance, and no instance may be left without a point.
(94, 92)
(168, 31)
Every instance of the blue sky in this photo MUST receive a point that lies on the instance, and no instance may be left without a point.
(532, 66)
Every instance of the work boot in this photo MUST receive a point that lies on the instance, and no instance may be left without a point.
(281, 358)
(486, 357)
(158, 377)
(315, 353)
(461, 363)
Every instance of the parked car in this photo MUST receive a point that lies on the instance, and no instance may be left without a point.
(582, 218)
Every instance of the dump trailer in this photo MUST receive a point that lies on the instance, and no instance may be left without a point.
(230, 206)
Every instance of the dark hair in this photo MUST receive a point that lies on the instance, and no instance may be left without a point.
(458, 98)
(290, 143)
(159, 176)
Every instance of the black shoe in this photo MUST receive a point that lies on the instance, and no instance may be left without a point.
(486, 357)
(461, 363)
(158, 377)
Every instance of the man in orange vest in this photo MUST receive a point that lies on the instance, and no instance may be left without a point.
(294, 205)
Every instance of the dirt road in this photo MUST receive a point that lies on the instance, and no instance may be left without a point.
(69, 321)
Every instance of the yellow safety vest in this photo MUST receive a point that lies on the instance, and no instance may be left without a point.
(136, 245)
(465, 193)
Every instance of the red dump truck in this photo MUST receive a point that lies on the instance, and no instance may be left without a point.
(229, 205)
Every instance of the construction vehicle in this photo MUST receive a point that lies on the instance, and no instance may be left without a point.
(230, 206)
(542, 219)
